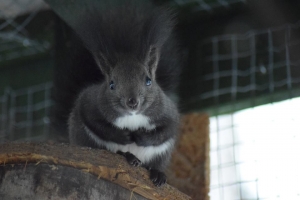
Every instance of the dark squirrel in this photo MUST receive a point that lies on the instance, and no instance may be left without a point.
(128, 109)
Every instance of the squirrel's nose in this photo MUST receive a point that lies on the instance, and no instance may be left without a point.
(132, 103)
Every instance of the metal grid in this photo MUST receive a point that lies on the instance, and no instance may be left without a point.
(208, 5)
(15, 41)
(250, 65)
(254, 153)
(260, 63)
(24, 113)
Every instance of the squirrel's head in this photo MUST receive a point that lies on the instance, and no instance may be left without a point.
(130, 83)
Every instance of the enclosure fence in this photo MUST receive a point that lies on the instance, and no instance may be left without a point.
(254, 64)
(25, 113)
(14, 39)
(244, 67)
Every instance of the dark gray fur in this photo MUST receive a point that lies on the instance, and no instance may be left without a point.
(129, 43)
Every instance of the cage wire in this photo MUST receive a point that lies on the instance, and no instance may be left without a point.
(25, 113)
(14, 39)
(254, 153)
(260, 63)
(251, 65)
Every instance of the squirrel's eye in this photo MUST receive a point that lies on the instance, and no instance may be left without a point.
(112, 85)
(148, 81)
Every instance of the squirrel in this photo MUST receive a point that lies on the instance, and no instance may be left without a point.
(128, 109)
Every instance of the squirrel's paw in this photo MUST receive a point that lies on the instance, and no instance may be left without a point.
(157, 177)
(131, 159)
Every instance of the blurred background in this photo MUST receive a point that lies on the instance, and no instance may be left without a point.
(242, 68)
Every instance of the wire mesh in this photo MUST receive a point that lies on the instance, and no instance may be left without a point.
(250, 65)
(254, 153)
(15, 41)
(25, 113)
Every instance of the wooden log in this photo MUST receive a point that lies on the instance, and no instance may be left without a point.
(44, 181)
(59, 171)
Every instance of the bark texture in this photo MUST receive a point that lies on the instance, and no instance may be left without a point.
(59, 171)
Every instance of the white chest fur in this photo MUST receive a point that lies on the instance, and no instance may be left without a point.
(133, 122)
(144, 154)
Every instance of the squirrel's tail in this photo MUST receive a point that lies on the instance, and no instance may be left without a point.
(74, 69)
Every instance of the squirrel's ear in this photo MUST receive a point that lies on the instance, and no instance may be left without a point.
(102, 62)
(152, 59)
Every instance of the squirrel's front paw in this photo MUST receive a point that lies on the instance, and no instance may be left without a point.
(157, 177)
(131, 159)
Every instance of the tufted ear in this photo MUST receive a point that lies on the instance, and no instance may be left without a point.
(103, 63)
(152, 59)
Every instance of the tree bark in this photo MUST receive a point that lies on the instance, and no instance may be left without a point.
(59, 171)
